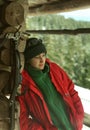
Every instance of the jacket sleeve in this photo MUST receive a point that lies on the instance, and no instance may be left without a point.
(26, 120)
(78, 106)
(79, 116)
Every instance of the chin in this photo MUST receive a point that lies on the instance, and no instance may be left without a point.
(41, 67)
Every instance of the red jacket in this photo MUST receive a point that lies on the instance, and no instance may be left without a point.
(34, 114)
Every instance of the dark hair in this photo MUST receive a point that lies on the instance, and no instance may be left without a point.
(34, 47)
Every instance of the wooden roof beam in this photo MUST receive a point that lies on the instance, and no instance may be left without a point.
(59, 32)
(57, 7)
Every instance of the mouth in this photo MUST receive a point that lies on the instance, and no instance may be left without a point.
(41, 65)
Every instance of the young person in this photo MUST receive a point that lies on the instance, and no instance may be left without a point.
(49, 100)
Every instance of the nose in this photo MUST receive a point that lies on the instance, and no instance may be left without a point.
(41, 59)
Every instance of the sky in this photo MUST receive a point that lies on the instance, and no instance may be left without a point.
(78, 15)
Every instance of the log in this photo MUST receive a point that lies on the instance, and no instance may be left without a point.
(57, 7)
(58, 32)
(86, 119)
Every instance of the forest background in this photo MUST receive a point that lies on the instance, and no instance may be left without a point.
(71, 52)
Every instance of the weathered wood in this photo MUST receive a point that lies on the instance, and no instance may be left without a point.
(4, 113)
(57, 7)
(4, 77)
(6, 56)
(5, 68)
(11, 17)
(22, 61)
(21, 45)
(64, 31)
(87, 119)
(12, 14)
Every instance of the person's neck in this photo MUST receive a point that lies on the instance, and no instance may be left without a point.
(34, 72)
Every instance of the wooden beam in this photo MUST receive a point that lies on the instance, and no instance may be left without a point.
(86, 119)
(57, 7)
(65, 31)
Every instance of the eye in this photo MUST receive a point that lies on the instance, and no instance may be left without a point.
(44, 55)
(37, 56)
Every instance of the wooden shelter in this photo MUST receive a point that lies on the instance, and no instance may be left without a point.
(12, 43)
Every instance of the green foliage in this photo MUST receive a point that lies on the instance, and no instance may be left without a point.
(70, 52)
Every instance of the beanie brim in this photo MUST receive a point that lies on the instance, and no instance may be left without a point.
(36, 50)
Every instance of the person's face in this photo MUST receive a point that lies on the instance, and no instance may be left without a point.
(38, 61)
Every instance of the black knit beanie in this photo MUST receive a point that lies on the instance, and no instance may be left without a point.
(33, 48)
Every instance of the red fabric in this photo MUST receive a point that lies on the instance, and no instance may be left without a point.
(34, 114)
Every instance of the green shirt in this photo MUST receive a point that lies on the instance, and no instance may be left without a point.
(55, 102)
